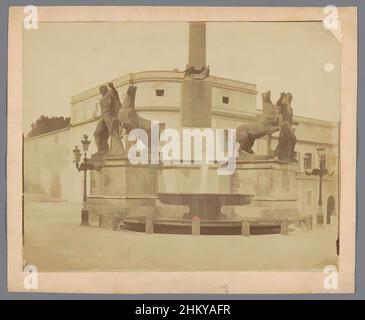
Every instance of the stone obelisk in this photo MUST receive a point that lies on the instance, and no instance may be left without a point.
(197, 45)
(196, 99)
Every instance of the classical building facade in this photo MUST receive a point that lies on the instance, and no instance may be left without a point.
(48, 158)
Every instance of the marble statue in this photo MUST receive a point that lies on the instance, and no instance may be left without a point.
(128, 117)
(267, 124)
(287, 139)
(278, 117)
(109, 105)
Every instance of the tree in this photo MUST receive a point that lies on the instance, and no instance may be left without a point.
(45, 124)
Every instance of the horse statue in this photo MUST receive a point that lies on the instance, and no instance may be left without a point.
(129, 119)
(267, 124)
(287, 139)
(128, 116)
(278, 117)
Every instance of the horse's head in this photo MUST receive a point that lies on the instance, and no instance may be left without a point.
(266, 96)
(128, 101)
(280, 102)
(131, 92)
(269, 114)
(288, 98)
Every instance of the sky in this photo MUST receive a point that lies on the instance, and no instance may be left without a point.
(61, 59)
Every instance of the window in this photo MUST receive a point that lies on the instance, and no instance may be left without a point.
(307, 161)
(323, 161)
(160, 92)
(225, 100)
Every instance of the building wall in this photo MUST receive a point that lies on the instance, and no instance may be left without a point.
(48, 165)
(235, 100)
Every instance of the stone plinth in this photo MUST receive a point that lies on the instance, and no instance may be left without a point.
(124, 190)
(273, 184)
(120, 187)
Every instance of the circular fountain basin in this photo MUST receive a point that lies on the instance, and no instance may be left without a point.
(207, 227)
(203, 206)
(206, 206)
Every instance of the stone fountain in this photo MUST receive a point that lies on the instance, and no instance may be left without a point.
(171, 198)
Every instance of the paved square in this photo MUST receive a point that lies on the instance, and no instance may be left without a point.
(54, 241)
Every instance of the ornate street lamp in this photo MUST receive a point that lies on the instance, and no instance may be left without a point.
(321, 172)
(84, 166)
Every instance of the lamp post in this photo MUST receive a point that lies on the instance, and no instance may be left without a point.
(84, 166)
(321, 172)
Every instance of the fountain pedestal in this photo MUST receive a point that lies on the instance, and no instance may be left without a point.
(121, 187)
(274, 185)
(171, 196)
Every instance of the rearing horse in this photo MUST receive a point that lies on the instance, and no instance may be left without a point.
(267, 124)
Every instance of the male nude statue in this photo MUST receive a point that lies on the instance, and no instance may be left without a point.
(109, 105)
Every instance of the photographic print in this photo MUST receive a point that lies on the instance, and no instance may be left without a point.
(182, 150)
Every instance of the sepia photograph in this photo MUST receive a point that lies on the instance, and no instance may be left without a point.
(179, 145)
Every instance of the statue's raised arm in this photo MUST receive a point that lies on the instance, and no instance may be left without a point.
(115, 98)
